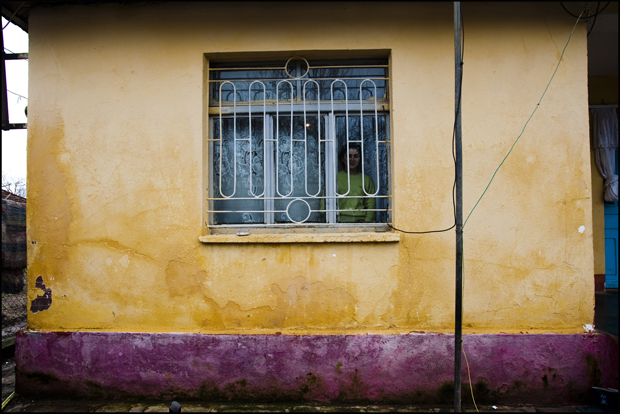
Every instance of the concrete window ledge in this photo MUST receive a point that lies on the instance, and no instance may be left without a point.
(381, 237)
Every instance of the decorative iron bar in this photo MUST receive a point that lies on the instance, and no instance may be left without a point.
(275, 153)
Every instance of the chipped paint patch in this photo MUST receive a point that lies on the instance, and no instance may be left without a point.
(124, 261)
(43, 302)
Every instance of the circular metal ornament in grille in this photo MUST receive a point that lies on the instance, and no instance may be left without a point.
(289, 206)
(296, 58)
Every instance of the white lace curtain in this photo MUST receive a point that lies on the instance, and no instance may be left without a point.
(605, 141)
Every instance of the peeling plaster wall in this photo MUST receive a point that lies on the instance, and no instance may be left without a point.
(115, 174)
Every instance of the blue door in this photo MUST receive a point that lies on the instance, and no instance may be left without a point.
(611, 242)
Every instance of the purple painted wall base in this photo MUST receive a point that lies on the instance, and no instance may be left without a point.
(414, 368)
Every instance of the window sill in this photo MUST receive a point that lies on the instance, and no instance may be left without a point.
(381, 237)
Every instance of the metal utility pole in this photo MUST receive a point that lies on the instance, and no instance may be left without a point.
(458, 323)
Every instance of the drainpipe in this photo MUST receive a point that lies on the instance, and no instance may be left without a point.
(458, 325)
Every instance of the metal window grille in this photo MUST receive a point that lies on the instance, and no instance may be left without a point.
(275, 134)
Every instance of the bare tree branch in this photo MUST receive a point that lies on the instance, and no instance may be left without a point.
(14, 185)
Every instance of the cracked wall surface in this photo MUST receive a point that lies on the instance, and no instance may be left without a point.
(116, 166)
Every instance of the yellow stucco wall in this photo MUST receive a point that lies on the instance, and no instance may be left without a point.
(116, 173)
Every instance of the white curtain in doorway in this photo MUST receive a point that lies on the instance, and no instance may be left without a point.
(604, 123)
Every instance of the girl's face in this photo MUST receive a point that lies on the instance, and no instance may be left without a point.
(354, 160)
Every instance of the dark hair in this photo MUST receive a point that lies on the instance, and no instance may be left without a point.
(343, 151)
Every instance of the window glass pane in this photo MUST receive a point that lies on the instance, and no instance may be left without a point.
(252, 91)
(366, 132)
(239, 164)
(369, 79)
(300, 163)
(269, 83)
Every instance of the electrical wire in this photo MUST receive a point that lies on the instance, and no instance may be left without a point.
(589, 16)
(8, 399)
(458, 107)
(487, 187)
(469, 376)
(528, 120)
(511, 148)
(595, 16)
(18, 95)
(13, 16)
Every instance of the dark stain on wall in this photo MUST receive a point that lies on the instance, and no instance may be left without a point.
(44, 302)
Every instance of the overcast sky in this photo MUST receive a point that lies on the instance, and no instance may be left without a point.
(14, 141)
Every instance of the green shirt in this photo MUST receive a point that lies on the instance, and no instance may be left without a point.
(363, 202)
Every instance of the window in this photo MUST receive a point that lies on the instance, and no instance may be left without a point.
(299, 143)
